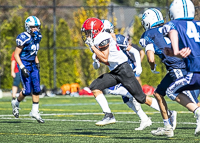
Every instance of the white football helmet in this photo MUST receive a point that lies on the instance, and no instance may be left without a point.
(108, 26)
(32, 21)
(181, 9)
(151, 17)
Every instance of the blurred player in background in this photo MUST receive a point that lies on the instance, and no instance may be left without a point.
(16, 77)
(142, 54)
(183, 32)
(28, 63)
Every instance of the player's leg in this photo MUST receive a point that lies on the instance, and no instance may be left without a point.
(15, 86)
(136, 107)
(97, 86)
(190, 82)
(27, 91)
(35, 96)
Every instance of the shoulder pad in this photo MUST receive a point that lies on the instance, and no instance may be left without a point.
(23, 38)
(104, 42)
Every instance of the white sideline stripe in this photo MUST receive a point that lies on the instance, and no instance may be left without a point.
(56, 114)
(64, 120)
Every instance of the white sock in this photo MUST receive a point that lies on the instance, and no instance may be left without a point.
(35, 107)
(166, 122)
(140, 112)
(197, 111)
(142, 115)
(103, 103)
(155, 105)
(17, 102)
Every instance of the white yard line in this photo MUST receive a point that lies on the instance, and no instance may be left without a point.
(7, 117)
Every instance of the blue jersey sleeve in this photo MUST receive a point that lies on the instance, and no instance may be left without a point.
(23, 38)
(168, 27)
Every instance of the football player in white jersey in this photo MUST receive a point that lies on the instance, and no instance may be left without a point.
(108, 52)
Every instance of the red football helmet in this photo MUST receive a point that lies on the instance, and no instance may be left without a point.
(91, 28)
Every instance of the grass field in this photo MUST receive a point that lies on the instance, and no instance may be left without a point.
(72, 119)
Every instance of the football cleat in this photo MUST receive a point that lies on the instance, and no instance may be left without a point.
(15, 108)
(36, 115)
(173, 119)
(144, 124)
(108, 119)
(166, 131)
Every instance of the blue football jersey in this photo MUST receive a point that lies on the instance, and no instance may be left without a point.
(30, 45)
(189, 36)
(154, 36)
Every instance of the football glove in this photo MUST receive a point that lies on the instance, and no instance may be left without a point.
(154, 70)
(38, 66)
(25, 72)
(96, 65)
(138, 70)
(90, 43)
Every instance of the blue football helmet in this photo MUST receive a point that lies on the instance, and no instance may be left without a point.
(32, 21)
(122, 41)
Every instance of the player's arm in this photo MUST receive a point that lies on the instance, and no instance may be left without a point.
(36, 59)
(37, 62)
(13, 68)
(136, 54)
(183, 53)
(18, 50)
(151, 58)
(142, 55)
(103, 52)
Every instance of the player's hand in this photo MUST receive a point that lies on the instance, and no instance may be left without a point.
(38, 66)
(25, 72)
(185, 52)
(96, 65)
(168, 52)
(154, 70)
(90, 43)
(138, 70)
(13, 74)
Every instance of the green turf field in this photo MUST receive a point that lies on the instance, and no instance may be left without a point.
(72, 119)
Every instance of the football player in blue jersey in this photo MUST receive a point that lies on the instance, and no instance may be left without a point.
(183, 32)
(154, 43)
(28, 63)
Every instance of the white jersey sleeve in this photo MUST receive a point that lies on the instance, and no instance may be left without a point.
(116, 56)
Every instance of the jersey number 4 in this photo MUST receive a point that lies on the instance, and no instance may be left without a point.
(192, 31)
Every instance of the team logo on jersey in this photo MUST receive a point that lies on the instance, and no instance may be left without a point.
(23, 36)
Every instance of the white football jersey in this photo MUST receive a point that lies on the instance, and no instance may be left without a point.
(116, 56)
